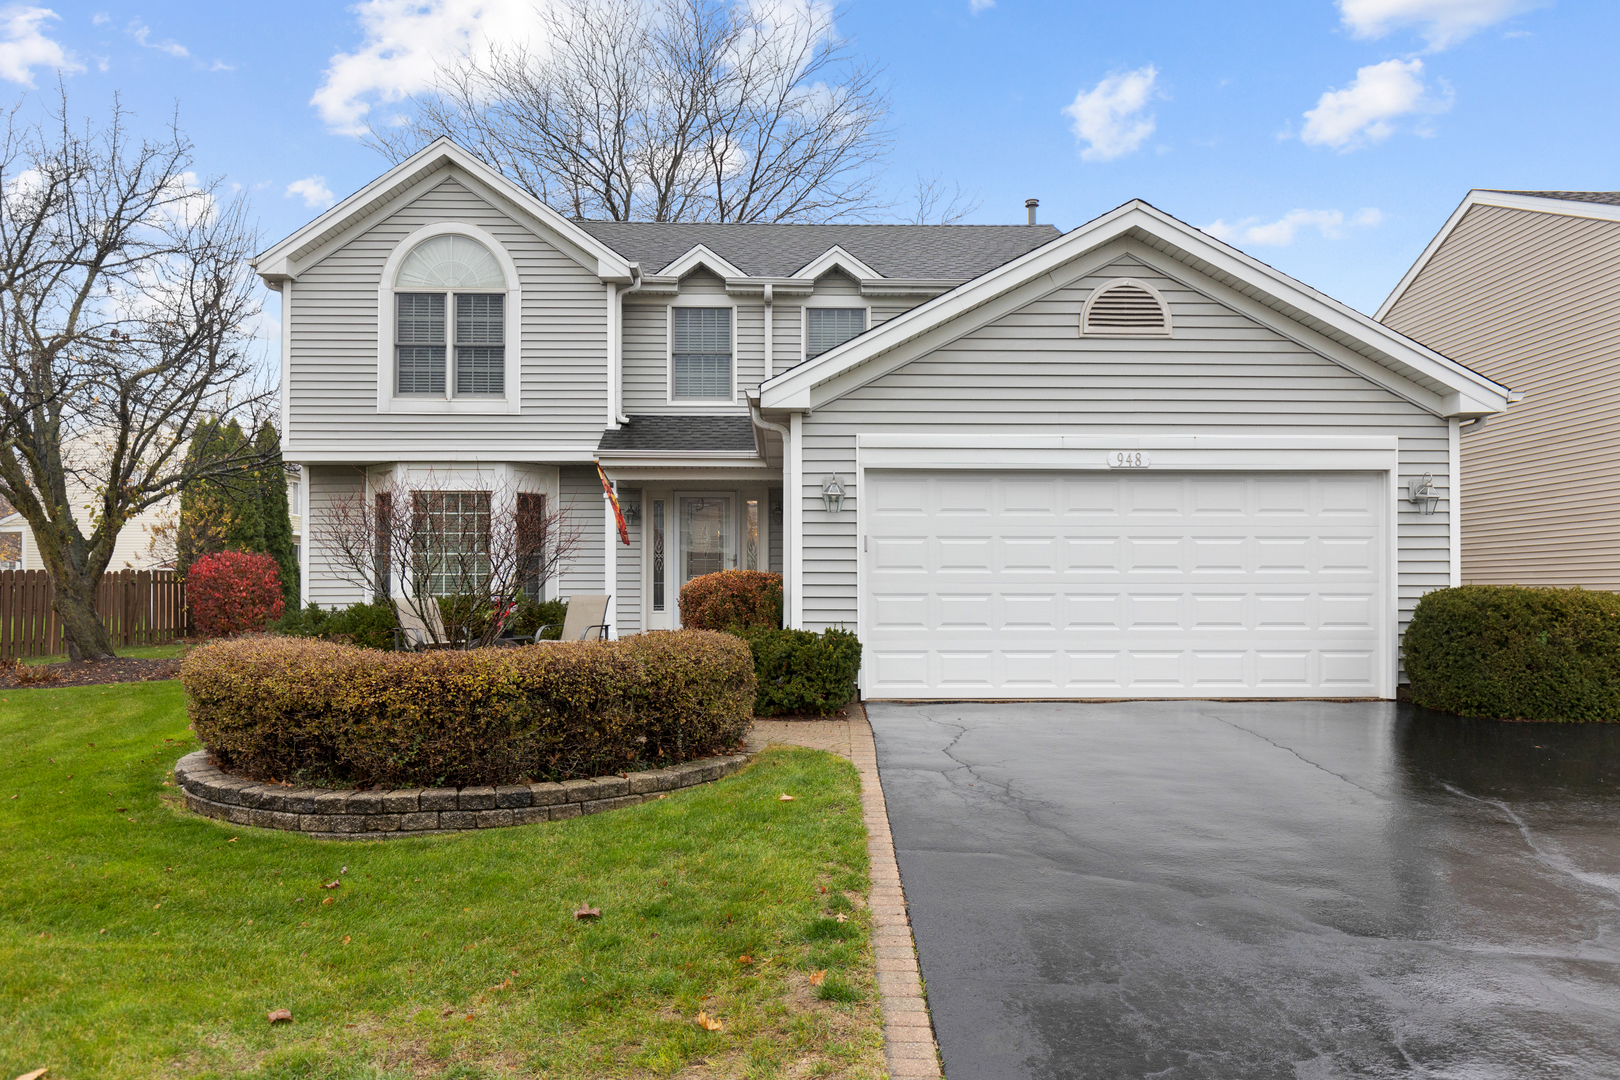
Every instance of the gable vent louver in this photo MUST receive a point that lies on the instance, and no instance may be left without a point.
(1125, 308)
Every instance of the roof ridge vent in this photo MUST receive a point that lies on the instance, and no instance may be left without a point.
(1125, 307)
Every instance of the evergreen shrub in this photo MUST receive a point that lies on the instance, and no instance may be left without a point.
(1516, 653)
(290, 709)
(803, 673)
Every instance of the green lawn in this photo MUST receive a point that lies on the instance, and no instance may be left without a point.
(139, 940)
(136, 652)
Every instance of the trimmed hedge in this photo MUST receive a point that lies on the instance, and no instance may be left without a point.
(732, 600)
(803, 673)
(305, 711)
(1516, 653)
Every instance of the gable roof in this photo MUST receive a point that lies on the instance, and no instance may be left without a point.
(422, 170)
(1600, 205)
(947, 253)
(1380, 354)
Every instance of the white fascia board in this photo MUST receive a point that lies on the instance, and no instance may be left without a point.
(511, 454)
(699, 255)
(835, 257)
(800, 387)
(281, 261)
(1482, 197)
(727, 456)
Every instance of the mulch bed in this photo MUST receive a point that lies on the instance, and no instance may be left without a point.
(95, 672)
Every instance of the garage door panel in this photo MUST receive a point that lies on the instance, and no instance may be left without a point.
(1063, 586)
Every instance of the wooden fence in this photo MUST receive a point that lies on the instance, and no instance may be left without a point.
(139, 607)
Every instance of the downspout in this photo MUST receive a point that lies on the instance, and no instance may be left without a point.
(790, 573)
(617, 409)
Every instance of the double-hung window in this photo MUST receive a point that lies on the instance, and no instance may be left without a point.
(702, 352)
(449, 322)
(828, 328)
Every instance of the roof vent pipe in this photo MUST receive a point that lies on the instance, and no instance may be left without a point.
(1030, 205)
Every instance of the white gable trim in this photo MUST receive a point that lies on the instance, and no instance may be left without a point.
(418, 173)
(809, 385)
(697, 256)
(836, 257)
(1480, 197)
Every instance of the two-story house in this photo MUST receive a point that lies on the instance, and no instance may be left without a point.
(1125, 460)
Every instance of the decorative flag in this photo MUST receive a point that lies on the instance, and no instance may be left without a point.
(624, 530)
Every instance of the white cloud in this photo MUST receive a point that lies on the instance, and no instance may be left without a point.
(1106, 115)
(24, 47)
(1332, 224)
(143, 37)
(1441, 22)
(313, 190)
(980, 5)
(403, 42)
(1364, 112)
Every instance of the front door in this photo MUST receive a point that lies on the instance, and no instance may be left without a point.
(708, 535)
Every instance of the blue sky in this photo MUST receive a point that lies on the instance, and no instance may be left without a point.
(1330, 138)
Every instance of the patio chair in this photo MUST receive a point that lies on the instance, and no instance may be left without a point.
(584, 621)
(413, 633)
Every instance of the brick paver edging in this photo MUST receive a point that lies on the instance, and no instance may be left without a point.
(908, 1030)
(353, 814)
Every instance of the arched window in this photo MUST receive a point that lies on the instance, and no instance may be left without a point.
(1125, 308)
(450, 320)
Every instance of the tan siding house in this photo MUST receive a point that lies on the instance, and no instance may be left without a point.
(1524, 287)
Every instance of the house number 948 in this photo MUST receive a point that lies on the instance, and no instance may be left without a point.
(1128, 459)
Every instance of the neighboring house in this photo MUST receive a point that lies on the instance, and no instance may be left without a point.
(131, 551)
(1524, 286)
(1124, 461)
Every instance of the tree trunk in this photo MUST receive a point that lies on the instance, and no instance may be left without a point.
(75, 603)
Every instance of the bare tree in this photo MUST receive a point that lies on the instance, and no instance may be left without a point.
(125, 308)
(483, 548)
(936, 206)
(670, 110)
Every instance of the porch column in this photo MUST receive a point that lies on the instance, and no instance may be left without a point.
(610, 561)
(793, 520)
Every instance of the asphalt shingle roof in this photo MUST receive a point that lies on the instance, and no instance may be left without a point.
(948, 252)
(1612, 198)
(657, 432)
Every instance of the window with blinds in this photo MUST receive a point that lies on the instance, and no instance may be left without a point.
(828, 328)
(480, 343)
(702, 352)
(419, 339)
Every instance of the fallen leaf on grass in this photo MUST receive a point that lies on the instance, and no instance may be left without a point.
(232, 840)
(122, 810)
(817, 978)
(586, 912)
(331, 884)
(37, 1073)
(330, 900)
(345, 939)
(841, 917)
(745, 959)
(276, 1016)
(708, 1023)
(784, 798)
(506, 984)
(447, 1010)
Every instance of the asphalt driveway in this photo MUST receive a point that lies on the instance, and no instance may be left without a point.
(1199, 889)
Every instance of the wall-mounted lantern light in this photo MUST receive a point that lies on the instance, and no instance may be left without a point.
(1423, 493)
(832, 494)
(632, 512)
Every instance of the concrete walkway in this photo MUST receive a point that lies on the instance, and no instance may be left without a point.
(908, 1033)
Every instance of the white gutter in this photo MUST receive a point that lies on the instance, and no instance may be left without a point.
(616, 415)
(790, 493)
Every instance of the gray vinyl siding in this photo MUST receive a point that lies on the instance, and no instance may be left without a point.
(581, 493)
(1030, 372)
(1532, 300)
(627, 567)
(334, 364)
(327, 584)
(774, 510)
(646, 338)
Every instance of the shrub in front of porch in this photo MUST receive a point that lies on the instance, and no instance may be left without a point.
(732, 600)
(801, 673)
(1516, 653)
(318, 712)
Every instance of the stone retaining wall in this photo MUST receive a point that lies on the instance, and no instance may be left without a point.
(354, 814)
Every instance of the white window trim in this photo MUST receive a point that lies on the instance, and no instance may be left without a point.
(1085, 312)
(700, 300)
(387, 400)
(839, 301)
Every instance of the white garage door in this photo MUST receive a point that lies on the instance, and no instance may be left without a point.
(1085, 585)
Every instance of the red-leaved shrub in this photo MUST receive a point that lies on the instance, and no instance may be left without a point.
(732, 600)
(233, 591)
